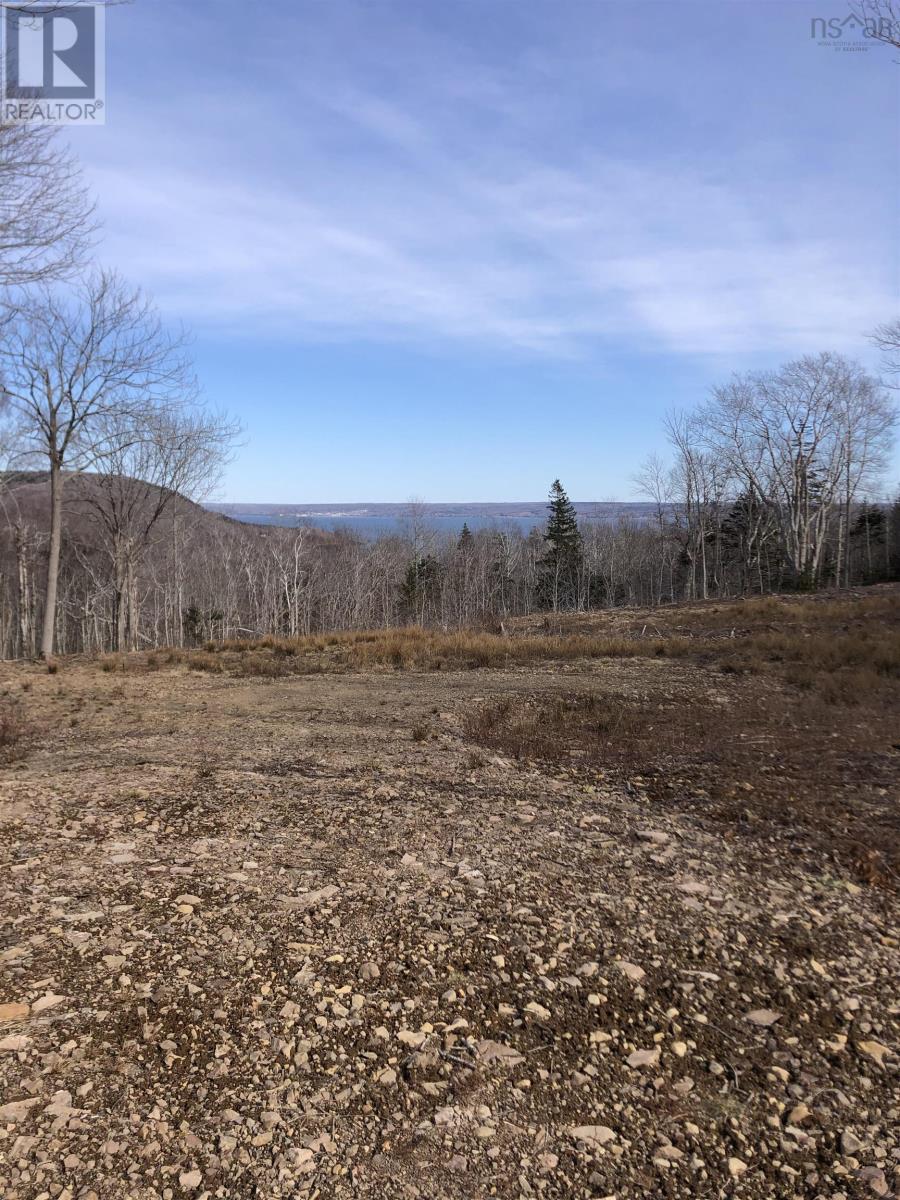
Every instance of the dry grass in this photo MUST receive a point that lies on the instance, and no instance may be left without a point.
(15, 733)
(863, 656)
(401, 649)
(794, 638)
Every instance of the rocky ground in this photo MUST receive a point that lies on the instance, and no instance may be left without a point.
(304, 939)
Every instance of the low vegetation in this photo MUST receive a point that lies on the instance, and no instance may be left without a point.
(14, 731)
(842, 646)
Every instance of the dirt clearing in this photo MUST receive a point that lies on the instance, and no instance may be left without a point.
(336, 934)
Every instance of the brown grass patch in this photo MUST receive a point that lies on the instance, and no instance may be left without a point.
(406, 649)
(792, 637)
(15, 733)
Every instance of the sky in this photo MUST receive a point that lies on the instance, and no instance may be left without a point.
(456, 249)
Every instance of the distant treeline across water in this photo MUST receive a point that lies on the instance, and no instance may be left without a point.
(383, 520)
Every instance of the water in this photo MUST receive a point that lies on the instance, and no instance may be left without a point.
(372, 521)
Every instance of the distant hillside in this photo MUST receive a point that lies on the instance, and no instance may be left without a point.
(25, 498)
(25, 495)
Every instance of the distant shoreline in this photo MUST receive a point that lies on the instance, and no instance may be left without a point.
(383, 519)
(513, 508)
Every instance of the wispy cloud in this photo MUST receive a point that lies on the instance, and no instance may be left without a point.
(441, 212)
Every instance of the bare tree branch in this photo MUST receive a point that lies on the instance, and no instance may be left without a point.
(887, 338)
(880, 19)
(47, 224)
(70, 364)
(152, 457)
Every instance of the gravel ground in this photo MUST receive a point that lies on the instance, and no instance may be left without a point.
(301, 939)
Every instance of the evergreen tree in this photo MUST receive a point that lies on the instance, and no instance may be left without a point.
(870, 524)
(562, 533)
(465, 538)
(747, 529)
(892, 539)
(198, 625)
(562, 564)
(868, 537)
(419, 583)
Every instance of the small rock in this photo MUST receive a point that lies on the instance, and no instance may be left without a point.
(538, 1010)
(875, 1051)
(410, 1038)
(693, 887)
(46, 1002)
(639, 1059)
(15, 1042)
(489, 1051)
(309, 899)
(16, 1109)
(850, 1143)
(763, 1016)
(13, 1012)
(593, 1135)
(876, 1180)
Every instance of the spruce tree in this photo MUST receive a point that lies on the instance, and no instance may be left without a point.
(418, 584)
(562, 564)
(465, 538)
(562, 533)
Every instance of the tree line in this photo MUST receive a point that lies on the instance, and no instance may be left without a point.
(199, 576)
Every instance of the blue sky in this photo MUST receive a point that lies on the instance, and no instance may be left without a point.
(456, 249)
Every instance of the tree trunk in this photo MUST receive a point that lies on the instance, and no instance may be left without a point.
(133, 603)
(52, 559)
(121, 585)
(26, 616)
(839, 556)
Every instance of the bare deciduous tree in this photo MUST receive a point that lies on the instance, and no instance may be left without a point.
(72, 362)
(149, 458)
(788, 437)
(46, 216)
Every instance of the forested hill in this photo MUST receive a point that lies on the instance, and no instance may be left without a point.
(25, 497)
